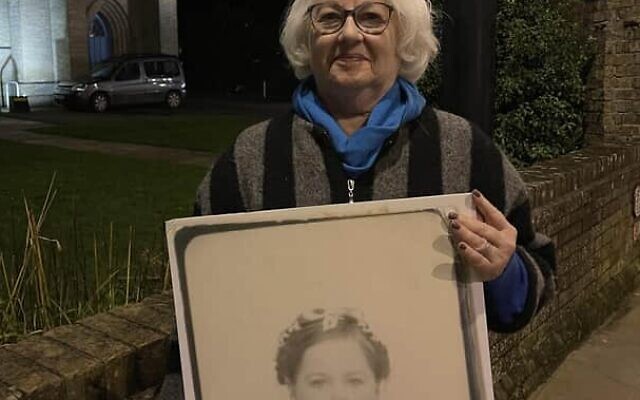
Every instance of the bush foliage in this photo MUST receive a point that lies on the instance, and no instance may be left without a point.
(542, 56)
(541, 60)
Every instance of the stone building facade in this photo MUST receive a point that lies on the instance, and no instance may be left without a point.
(43, 42)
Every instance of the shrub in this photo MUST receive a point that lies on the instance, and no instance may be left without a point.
(541, 59)
(542, 56)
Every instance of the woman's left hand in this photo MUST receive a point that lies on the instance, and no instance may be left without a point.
(486, 246)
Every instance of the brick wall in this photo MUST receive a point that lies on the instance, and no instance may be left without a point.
(168, 18)
(145, 31)
(78, 33)
(614, 86)
(107, 356)
(60, 39)
(583, 201)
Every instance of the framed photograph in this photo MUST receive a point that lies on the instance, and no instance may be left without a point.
(365, 299)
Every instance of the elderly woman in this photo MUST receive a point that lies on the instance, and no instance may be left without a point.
(360, 130)
(331, 354)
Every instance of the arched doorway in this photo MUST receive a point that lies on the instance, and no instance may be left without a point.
(115, 21)
(100, 39)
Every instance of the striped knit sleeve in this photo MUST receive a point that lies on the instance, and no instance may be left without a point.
(538, 253)
(219, 191)
(234, 182)
(498, 180)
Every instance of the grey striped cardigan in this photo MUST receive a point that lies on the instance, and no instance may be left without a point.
(288, 162)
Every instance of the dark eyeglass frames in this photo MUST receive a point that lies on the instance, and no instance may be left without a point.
(371, 17)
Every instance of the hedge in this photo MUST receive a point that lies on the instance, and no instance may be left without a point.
(542, 58)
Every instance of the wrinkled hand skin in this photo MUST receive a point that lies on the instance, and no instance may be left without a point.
(469, 233)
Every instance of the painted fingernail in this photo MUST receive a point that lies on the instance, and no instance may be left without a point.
(453, 215)
(462, 246)
(455, 225)
(476, 193)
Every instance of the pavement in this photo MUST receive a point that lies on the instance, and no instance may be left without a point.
(606, 366)
(16, 130)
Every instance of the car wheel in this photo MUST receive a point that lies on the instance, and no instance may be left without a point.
(173, 99)
(99, 102)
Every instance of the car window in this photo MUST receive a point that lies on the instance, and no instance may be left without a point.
(130, 71)
(102, 71)
(161, 69)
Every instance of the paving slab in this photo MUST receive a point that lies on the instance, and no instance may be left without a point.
(118, 378)
(25, 376)
(147, 317)
(162, 302)
(576, 380)
(152, 346)
(80, 371)
(7, 124)
(141, 151)
(16, 130)
(606, 366)
(148, 394)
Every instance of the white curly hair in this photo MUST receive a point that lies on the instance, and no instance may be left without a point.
(417, 45)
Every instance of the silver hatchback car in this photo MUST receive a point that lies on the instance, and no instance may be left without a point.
(132, 79)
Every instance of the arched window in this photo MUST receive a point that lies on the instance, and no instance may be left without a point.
(8, 72)
(100, 40)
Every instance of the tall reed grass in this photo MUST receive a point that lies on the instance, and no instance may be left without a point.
(52, 283)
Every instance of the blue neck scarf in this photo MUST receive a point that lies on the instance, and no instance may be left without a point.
(402, 103)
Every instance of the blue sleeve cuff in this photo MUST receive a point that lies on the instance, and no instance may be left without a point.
(506, 296)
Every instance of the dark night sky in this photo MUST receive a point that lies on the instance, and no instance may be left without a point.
(231, 43)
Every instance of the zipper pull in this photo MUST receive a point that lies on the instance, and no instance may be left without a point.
(351, 186)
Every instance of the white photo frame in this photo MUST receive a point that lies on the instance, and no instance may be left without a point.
(240, 279)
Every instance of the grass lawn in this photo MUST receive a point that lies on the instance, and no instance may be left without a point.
(206, 132)
(104, 205)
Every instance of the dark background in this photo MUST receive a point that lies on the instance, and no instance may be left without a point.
(468, 60)
(229, 47)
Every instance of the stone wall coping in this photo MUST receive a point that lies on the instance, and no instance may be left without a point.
(552, 179)
(111, 355)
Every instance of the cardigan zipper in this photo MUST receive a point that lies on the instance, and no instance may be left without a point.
(351, 187)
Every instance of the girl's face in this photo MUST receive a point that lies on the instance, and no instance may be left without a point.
(335, 369)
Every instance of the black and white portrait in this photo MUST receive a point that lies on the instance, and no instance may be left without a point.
(329, 354)
(312, 302)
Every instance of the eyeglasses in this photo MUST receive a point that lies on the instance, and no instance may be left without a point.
(371, 17)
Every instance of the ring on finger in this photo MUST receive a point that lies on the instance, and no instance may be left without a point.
(483, 247)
